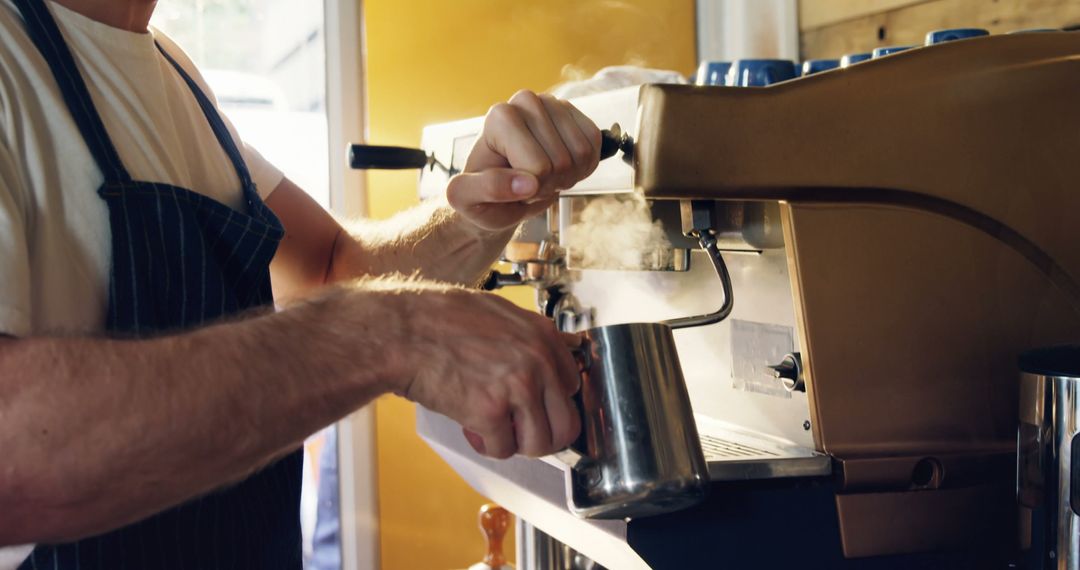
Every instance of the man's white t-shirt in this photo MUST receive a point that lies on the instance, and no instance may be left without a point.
(54, 232)
(54, 229)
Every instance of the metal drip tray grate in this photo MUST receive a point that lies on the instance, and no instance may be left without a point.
(736, 455)
(720, 449)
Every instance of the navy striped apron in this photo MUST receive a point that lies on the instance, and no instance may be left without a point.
(179, 260)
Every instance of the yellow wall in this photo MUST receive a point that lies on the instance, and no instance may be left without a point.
(432, 61)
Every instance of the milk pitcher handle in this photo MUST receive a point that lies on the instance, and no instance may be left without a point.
(572, 455)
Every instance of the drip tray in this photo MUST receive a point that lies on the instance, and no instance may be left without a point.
(736, 455)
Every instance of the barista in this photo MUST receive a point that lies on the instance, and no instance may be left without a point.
(152, 402)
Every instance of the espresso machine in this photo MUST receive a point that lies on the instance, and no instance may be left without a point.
(895, 233)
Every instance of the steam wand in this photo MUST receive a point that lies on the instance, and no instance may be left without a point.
(697, 222)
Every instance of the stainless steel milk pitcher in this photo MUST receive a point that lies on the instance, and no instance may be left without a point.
(639, 452)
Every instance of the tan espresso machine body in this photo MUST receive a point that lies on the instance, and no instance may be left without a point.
(903, 225)
(929, 202)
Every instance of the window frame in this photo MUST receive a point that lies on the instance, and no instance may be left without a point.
(345, 113)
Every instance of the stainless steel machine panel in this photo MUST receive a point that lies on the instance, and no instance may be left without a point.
(710, 355)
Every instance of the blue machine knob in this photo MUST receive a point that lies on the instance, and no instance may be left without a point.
(941, 36)
(712, 72)
(853, 58)
(884, 51)
(812, 66)
(759, 72)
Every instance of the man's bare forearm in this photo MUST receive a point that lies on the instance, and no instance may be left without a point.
(98, 433)
(430, 240)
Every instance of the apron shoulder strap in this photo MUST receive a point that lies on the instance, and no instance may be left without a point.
(49, 40)
(224, 138)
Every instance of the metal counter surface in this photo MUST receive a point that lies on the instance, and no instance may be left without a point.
(535, 489)
(532, 489)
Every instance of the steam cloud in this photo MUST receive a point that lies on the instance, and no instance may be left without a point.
(617, 232)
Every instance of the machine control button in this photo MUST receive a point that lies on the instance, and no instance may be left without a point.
(790, 372)
(942, 36)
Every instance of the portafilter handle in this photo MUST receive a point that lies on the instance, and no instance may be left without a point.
(380, 157)
(377, 157)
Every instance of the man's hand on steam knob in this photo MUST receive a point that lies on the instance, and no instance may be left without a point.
(530, 148)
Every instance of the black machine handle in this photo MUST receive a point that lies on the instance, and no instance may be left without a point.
(366, 156)
(376, 157)
(613, 140)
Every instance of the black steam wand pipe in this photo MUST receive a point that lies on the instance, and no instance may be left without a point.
(707, 240)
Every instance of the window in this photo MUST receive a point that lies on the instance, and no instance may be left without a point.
(266, 62)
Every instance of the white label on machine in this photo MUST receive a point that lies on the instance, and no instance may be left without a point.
(754, 346)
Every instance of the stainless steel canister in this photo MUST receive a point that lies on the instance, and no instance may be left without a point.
(1048, 458)
(639, 452)
(537, 550)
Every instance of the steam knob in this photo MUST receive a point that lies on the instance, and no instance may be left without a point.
(790, 372)
(614, 140)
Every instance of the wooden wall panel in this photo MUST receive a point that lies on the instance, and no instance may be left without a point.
(906, 23)
(819, 13)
